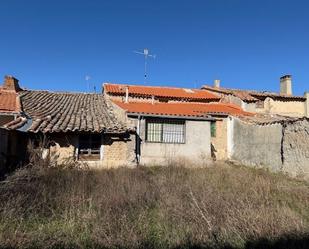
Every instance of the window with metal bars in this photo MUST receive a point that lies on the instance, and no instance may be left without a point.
(89, 147)
(165, 131)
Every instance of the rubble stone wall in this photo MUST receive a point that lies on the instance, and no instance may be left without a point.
(296, 148)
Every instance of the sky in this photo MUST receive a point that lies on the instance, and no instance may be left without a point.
(249, 44)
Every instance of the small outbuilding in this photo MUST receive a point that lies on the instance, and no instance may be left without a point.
(73, 126)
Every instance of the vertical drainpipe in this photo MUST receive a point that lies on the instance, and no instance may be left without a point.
(138, 140)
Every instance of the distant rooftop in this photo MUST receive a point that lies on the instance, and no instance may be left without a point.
(186, 109)
(161, 92)
(252, 95)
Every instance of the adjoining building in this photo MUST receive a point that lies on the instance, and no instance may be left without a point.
(158, 112)
(77, 126)
(283, 103)
(12, 144)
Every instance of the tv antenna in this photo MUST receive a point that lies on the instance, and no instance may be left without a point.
(146, 55)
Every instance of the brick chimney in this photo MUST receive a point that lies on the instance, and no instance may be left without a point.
(286, 85)
(217, 83)
(11, 83)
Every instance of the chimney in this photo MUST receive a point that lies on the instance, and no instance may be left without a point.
(127, 94)
(286, 85)
(217, 83)
(11, 83)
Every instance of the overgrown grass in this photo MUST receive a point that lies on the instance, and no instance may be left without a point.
(169, 207)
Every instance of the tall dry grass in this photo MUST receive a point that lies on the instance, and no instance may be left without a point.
(169, 207)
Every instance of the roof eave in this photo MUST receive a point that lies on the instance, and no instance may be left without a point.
(205, 118)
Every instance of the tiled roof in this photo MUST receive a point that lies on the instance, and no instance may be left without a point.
(181, 109)
(252, 96)
(9, 101)
(161, 92)
(267, 119)
(63, 112)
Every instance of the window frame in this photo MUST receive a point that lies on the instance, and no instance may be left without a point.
(92, 154)
(163, 121)
(213, 129)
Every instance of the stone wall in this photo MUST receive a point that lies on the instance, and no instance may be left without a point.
(115, 151)
(119, 151)
(195, 151)
(296, 148)
(62, 146)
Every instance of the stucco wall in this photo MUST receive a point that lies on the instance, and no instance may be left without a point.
(257, 145)
(296, 148)
(220, 140)
(279, 147)
(195, 151)
(289, 108)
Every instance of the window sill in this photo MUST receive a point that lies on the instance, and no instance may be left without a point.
(150, 142)
(89, 158)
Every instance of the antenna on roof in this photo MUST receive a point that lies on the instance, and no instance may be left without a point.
(146, 55)
(87, 78)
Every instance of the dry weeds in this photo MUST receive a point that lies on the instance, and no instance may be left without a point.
(168, 207)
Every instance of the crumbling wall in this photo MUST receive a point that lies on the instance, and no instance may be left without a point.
(219, 142)
(295, 148)
(257, 145)
(281, 146)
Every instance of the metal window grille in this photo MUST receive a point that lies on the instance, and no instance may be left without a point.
(165, 131)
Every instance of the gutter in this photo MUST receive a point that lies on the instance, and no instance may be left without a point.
(207, 118)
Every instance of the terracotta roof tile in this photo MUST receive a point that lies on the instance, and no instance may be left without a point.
(9, 101)
(251, 95)
(181, 109)
(62, 112)
(163, 92)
